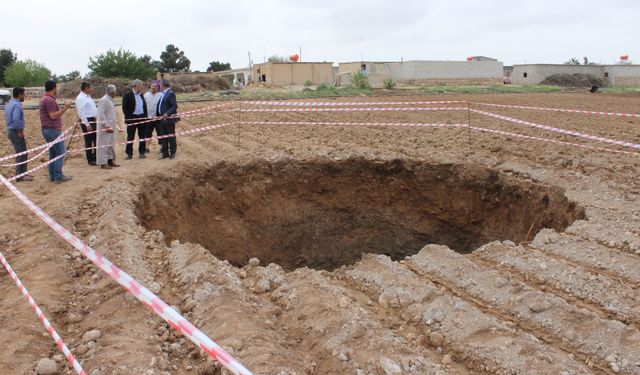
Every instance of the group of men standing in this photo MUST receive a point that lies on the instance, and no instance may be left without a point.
(156, 109)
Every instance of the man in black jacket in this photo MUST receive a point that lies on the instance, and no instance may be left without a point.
(135, 110)
(168, 111)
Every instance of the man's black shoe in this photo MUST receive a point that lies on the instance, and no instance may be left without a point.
(129, 157)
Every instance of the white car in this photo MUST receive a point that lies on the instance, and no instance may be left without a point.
(5, 96)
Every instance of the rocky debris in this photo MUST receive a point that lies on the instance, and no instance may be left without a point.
(189, 305)
(154, 287)
(47, 366)
(73, 318)
(92, 335)
(175, 349)
(262, 286)
(389, 366)
(254, 262)
(500, 281)
(395, 298)
(436, 339)
(446, 360)
(539, 306)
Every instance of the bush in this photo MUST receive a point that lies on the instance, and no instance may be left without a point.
(360, 81)
(27, 73)
(308, 83)
(217, 66)
(277, 59)
(122, 64)
(389, 84)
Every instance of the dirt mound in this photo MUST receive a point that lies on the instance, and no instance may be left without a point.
(186, 83)
(324, 214)
(573, 80)
(70, 90)
(179, 84)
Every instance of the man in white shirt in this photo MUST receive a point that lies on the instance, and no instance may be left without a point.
(152, 97)
(87, 113)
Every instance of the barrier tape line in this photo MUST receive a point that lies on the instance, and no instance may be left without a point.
(43, 319)
(338, 104)
(211, 127)
(598, 113)
(39, 154)
(143, 294)
(389, 124)
(460, 126)
(558, 130)
(351, 109)
(549, 140)
(180, 133)
(197, 112)
(45, 145)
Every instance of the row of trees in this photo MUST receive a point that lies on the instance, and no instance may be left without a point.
(110, 64)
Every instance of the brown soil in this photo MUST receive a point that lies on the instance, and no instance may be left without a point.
(325, 214)
(567, 301)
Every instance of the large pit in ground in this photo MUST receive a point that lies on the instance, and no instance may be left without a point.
(324, 214)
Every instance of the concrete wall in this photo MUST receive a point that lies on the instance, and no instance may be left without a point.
(533, 74)
(432, 72)
(612, 75)
(623, 75)
(292, 74)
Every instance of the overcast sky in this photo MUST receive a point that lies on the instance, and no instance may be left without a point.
(63, 34)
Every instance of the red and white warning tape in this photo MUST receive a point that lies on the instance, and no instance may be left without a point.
(48, 145)
(549, 140)
(39, 154)
(350, 109)
(598, 113)
(558, 130)
(338, 104)
(387, 124)
(180, 133)
(43, 319)
(194, 113)
(143, 294)
(459, 126)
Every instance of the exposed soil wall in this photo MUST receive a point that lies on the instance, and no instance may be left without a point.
(324, 214)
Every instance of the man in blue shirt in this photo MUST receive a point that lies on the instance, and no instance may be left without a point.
(15, 131)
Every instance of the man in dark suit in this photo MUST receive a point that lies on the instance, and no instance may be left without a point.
(135, 110)
(168, 111)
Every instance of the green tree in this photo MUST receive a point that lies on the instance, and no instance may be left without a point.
(217, 66)
(174, 60)
(277, 59)
(122, 64)
(67, 77)
(572, 61)
(27, 73)
(6, 58)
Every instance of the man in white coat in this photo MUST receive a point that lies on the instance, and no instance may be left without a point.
(107, 126)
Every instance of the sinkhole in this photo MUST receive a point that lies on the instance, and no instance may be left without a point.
(324, 214)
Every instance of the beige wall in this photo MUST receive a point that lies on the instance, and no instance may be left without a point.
(427, 72)
(291, 74)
